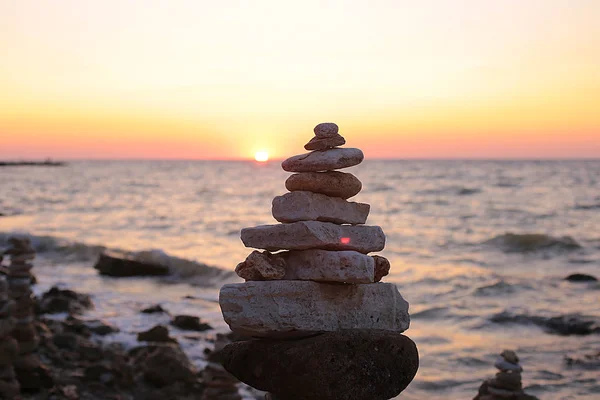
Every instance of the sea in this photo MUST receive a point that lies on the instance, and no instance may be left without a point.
(479, 249)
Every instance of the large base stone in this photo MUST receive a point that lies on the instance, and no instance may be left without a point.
(306, 235)
(279, 309)
(309, 206)
(345, 365)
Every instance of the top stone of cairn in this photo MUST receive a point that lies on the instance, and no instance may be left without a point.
(326, 130)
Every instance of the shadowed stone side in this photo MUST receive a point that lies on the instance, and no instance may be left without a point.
(344, 365)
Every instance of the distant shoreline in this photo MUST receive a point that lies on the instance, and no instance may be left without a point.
(47, 163)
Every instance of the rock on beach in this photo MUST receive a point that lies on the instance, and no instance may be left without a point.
(308, 206)
(336, 158)
(345, 365)
(306, 235)
(330, 183)
(279, 309)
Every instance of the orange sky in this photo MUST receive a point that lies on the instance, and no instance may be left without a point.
(199, 79)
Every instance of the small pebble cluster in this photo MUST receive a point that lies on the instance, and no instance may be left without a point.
(218, 383)
(9, 348)
(507, 383)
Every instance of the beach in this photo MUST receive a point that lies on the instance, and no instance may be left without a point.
(479, 249)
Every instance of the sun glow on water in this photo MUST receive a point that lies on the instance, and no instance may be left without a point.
(261, 156)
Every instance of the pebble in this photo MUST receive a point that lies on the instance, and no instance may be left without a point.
(261, 267)
(382, 267)
(331, 183)
(326, 129)
(317, 143)
(309, 206)
(328, 266)
(306, 235)
(327, 160)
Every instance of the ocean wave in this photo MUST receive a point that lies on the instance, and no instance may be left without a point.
(61, 250)
(495, 289)
(530, 242)
(451, 190)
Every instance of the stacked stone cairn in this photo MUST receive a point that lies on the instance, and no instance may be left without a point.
(507, 383)
(9, 348)
(322, 324)
(21, 256)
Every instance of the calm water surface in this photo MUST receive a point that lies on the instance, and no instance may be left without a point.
(446, 224)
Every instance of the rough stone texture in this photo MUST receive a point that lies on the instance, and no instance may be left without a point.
(306, 235)
(302, 308)
(318, 143)
(346, 365)
(326, 129)
(261, 267)
(382, 267)
(117, 264)
(309, 206)
(331, 183)
(326, 160)
(329, 266)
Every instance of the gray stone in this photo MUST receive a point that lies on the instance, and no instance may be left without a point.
(318, 143)
(504, 365)
(331, 183)
(326, 129)
(382, 267)
(326, 160)
(510, 356)
(280, 309)
(306, 235)
(309, 206)
(347, 365)
(328, 266)
(261, 267)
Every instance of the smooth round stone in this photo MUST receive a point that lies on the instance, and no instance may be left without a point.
(326, 160)
(332, 183)
(326, 129)
(317, 143)
(349, 365)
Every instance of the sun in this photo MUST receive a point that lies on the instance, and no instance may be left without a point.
(261, 156)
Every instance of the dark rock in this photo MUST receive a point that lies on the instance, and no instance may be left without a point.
(163, 365)
(345, 365)
(100, 327)
(190, 323)
(120, 265)
(531, 242)
(154, 309)
(581, 278)
(572, 324)
(159, 333)
(69, 341)
(58, 300)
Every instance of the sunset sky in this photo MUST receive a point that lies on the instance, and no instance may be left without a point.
(223, 79)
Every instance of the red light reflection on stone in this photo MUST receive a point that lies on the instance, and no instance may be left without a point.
(345, 240)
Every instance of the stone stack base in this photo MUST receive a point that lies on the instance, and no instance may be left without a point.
(343, 365)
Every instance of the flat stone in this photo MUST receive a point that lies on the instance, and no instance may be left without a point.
(318, 143)
(328, 266)
(382, 267)
(326, 129)
(326, 160)
(22, 257)
(346, 365)
(331, 183)
(504, 365)
(303, 308)
(306, 235)
(309, 206)
(261, 267)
